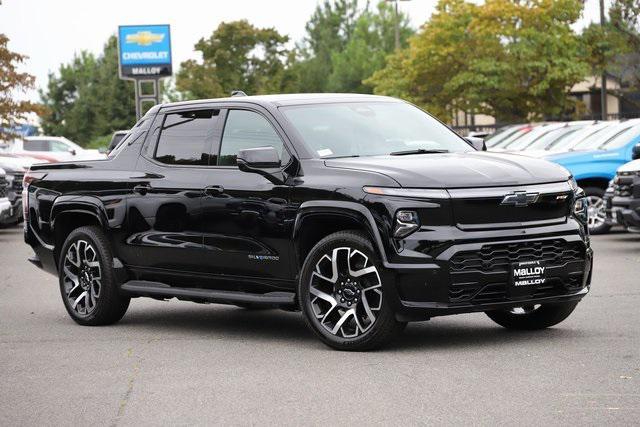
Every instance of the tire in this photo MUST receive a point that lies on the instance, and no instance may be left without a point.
(532, 318)
(88, 286)
(346, 311)
(597, 216)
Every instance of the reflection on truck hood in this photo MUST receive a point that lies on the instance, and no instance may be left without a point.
(15, 164)
(632, 166)
(457, 170)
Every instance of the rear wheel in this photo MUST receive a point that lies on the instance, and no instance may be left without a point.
(597, 211)
(531, 317)
(87, 282)
(342, 295)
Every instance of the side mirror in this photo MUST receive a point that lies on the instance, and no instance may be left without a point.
(251, 159)
(477, 143)
(72, 151)
(635, 153)
(263, 161)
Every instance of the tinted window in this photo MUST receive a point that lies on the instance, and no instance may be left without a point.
(246, 129)
(37, 145)
(59, 146)
(185, 137)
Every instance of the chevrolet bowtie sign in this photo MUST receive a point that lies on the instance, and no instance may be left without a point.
(144, 51)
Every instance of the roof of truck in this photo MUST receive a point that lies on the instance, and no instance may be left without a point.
(290, 99)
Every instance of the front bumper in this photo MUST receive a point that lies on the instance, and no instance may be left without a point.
(474, 274)
(626, 210)
(6, 210)
(15, 214)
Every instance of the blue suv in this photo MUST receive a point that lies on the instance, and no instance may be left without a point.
(594, 165)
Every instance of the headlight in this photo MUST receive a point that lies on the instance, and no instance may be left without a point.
(406, 223)
(581, 209)
(574, 184)
(10, 178)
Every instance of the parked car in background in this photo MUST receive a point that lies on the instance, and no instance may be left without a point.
(526, 138)
(595, 168)
(6, 209)
(623, 198)
(59, 148)
(563, 141)
(115, 139)
(519, 133)
(537, 133)
(544, 135)
(14, 168)
(504, 133)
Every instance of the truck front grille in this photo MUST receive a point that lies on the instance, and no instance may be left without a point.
(483, 276)
(3, 187)
(17, 183)
(623, 184)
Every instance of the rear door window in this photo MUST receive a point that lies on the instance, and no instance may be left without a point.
(186, 137)
(37, 145)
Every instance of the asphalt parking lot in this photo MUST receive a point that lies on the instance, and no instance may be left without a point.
(182, 363)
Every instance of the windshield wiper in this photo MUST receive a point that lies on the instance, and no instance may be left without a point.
(341, 157)
(417, 151)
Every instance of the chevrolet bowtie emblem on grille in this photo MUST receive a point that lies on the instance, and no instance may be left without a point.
(144, 38)
(520, 198)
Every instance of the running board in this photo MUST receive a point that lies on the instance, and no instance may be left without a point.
(161, 290)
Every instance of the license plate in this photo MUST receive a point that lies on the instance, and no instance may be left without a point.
(526, 276)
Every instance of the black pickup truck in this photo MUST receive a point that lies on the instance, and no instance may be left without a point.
(363, 212)
(623, 202)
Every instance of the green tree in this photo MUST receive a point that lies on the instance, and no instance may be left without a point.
(237, 56)
(86, 99)
(12, 83)
(624, 17)
(370, 42)
(512, 59)
(328, 31)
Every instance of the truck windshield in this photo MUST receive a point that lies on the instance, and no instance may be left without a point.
(370, 129)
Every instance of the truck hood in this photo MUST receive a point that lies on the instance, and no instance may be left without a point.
(15, 164)
(632, 166)
(457, 170)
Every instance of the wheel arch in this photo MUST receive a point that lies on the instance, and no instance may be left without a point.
(594, 181)
(318, 219)
(69, 213)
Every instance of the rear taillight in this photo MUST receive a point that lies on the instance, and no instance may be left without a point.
(28, 178)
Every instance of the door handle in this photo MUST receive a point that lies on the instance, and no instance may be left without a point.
(142, 189)
(213, 190)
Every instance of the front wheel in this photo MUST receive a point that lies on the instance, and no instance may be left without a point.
(597, 211)
(531, 317)
(342, 295)
(87, 283)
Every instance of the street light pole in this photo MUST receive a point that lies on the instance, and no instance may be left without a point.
(397, 22)
(398, 27)
(603, 83)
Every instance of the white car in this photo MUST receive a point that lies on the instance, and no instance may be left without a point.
(57, 147)
(6, 210)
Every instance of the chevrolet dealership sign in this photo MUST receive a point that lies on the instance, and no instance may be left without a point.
(144, 51)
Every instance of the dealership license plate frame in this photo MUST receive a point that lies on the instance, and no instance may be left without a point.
(530, 281)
